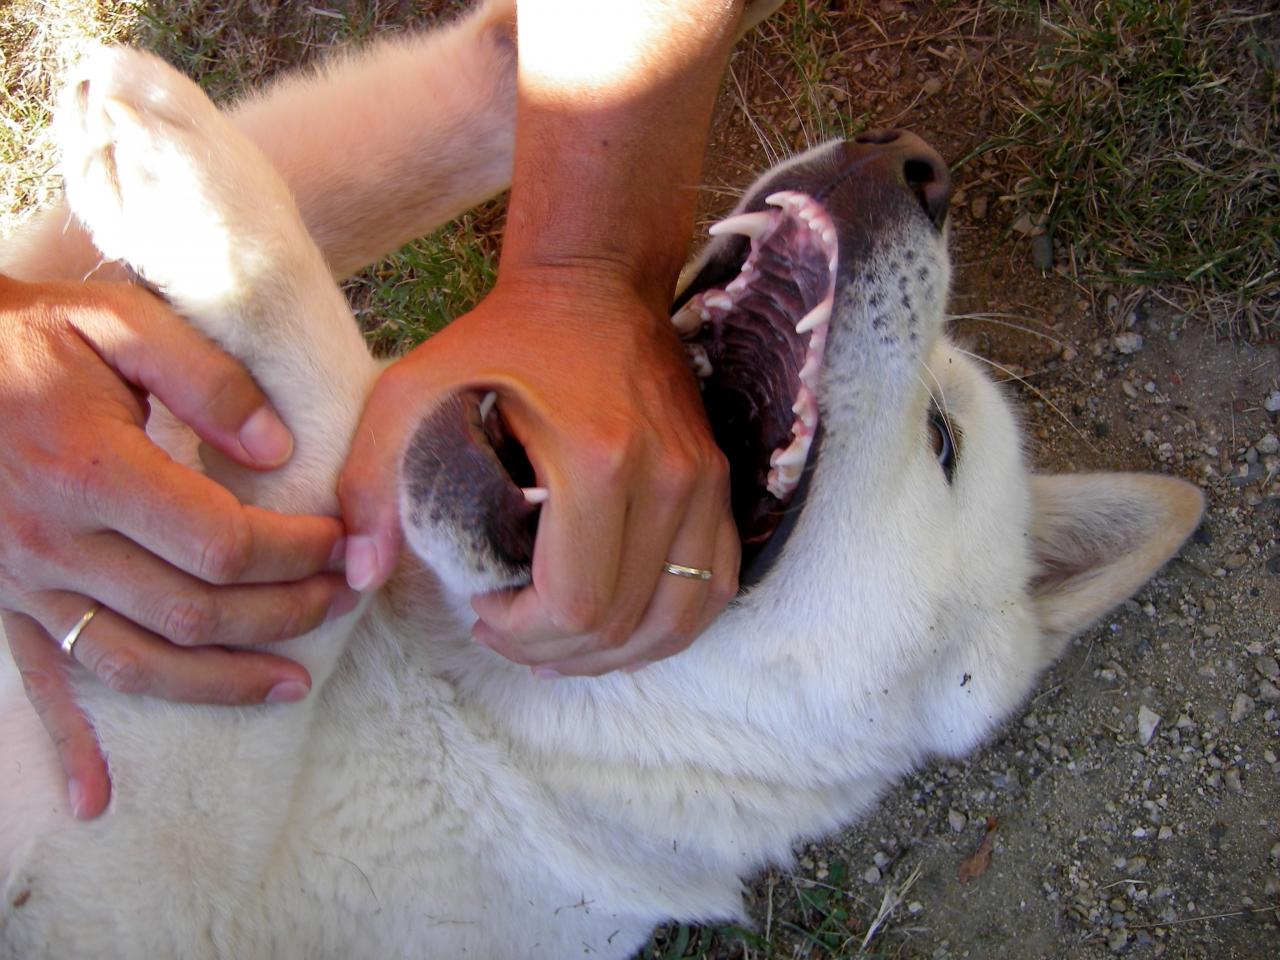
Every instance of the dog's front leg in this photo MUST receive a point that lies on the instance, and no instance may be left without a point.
(377, 147)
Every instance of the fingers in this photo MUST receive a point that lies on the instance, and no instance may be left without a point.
(680, 608)
(197, 525)
(189, 612)
(133, 661)
(204, 386)
(367, 486)
(655, 614)
(43, 668)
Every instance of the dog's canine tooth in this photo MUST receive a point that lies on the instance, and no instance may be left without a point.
(487, 405)
(815, 318)
(535, 495)
(747, 224)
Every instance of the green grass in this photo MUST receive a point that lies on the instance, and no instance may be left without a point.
(1145, 131)
(420, 288)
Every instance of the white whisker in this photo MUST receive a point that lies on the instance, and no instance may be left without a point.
(1026, 383)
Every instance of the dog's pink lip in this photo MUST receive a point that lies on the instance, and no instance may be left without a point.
(757, 344)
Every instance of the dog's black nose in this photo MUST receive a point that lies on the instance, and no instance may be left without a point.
(909, 161)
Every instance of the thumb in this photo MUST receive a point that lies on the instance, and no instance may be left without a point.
(205, 387)
(367, 488)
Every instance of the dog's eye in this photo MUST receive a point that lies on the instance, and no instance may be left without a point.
(942, 435)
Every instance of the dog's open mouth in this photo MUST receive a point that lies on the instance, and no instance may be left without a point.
(755, 327)
(756, 339)
(754, 322)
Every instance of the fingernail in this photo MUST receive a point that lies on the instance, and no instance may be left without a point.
(265, 438)
(287, 691)
(362, 562)
(75, 796)
(344, 601)
(337, 557)
(546, 673)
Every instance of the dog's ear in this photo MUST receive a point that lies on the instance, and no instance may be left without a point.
(1097, 537)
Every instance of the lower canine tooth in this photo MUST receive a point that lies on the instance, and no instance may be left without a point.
(535, 495)
(486, 405)
(747, 224)
(718, 299)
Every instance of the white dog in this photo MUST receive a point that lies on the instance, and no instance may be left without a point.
(431, 799)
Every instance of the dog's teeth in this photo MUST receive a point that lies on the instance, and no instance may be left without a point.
(829, 236)
(486, 405)
(739, 284)
(783, 198)
(747, 224)
(809, 372)
(699, 360)
(815, 317)
(794, 455)
(806, 408)
(535, 495)
(688, 318)
(719, 300)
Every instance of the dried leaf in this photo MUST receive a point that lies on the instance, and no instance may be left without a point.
(976, 865)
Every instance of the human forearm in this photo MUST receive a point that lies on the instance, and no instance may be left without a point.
(611, 126)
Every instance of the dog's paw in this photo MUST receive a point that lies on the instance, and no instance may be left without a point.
(165, 183)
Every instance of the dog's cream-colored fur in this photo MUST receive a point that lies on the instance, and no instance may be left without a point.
(431, 799)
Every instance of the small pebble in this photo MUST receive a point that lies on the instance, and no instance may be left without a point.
(957, 820)
(1242, 707)
(871, 875)
(1148, 720)
(1127, 342)
(1272, 403)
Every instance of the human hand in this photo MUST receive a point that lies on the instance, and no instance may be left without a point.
(93, 512)
(594, 384)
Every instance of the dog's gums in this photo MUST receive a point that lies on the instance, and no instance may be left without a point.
(756, 344)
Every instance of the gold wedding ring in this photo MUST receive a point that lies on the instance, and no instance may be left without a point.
(680, 570)
(69, 641)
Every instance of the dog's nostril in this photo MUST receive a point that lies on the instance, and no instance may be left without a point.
(928, 179)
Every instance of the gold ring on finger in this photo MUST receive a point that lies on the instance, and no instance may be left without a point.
(680, 570)
(69, 641)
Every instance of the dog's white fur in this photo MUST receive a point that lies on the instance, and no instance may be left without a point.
(431, 799)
